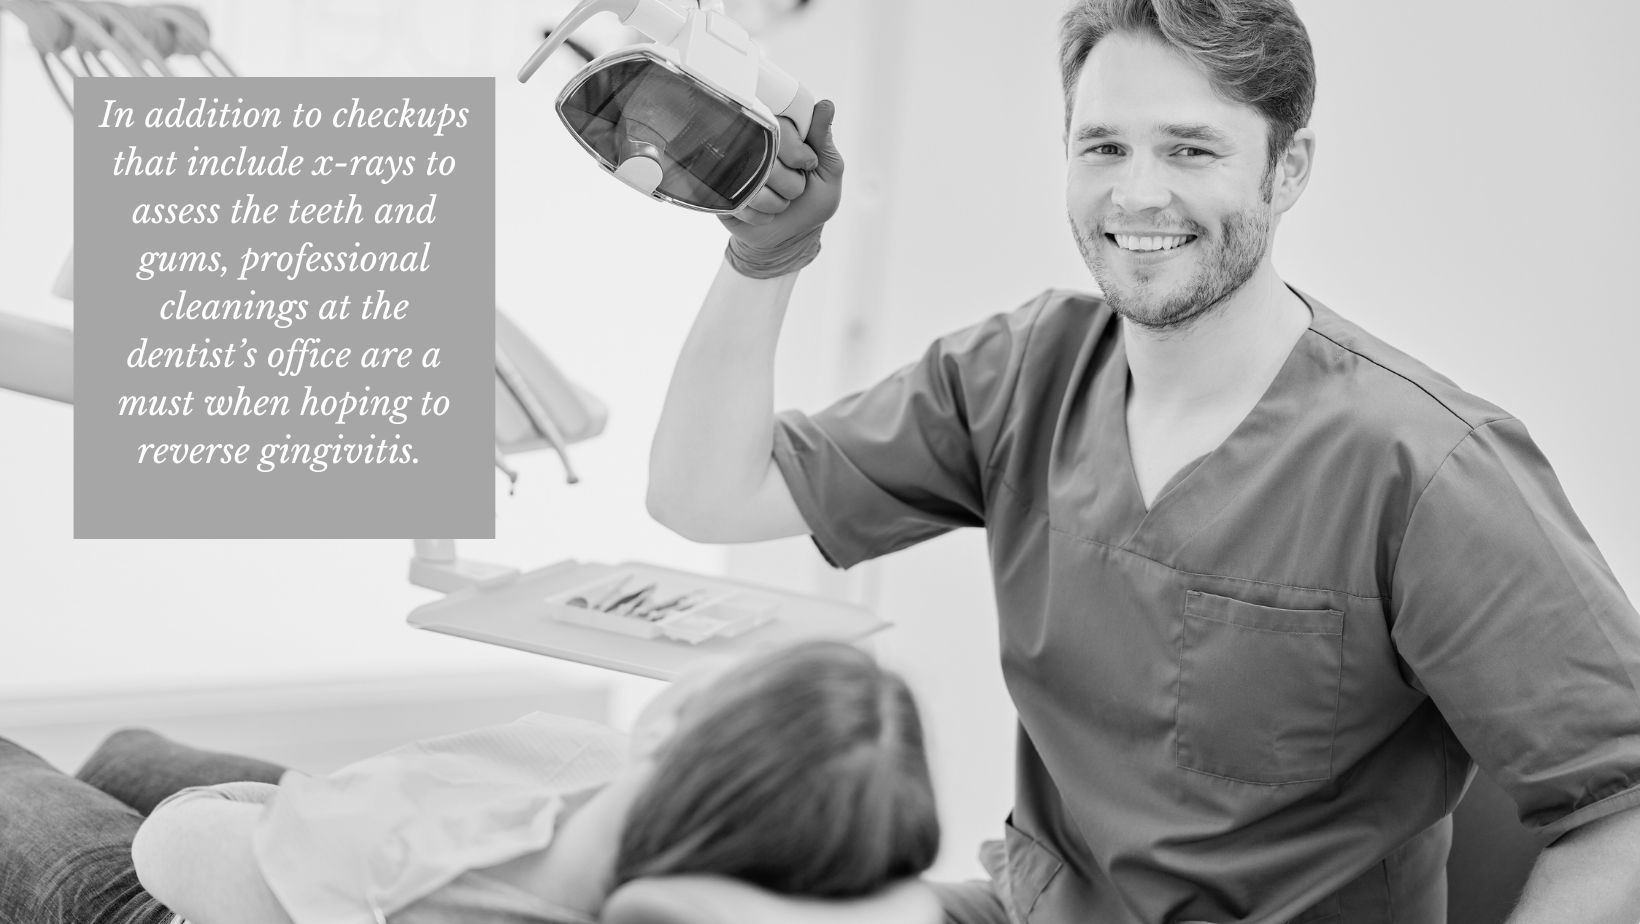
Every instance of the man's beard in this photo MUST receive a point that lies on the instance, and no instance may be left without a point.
(1232, 257)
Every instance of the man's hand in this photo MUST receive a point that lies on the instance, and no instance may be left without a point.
(803, 192)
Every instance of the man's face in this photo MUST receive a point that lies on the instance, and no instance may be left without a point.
(1166, 187)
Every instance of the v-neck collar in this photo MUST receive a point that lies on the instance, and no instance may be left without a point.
(1195, 493)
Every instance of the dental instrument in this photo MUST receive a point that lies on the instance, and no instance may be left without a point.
(91, 40)
(192, 36)
(120, 23)
(50, 34)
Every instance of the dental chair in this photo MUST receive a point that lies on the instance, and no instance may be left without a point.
(716, 900)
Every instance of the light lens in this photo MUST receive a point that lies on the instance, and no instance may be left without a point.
(713, 153)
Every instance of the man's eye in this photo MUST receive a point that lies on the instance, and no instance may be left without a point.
(1195, 152)
(1105, 149)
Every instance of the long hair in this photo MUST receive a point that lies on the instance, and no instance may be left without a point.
(802, 772)
(1255, 52)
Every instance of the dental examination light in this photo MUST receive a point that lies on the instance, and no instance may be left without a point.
(689, 119)
(755, 15)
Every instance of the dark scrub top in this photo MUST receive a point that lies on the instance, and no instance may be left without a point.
(1258, 700)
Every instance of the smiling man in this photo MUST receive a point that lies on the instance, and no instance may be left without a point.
(1269, 589)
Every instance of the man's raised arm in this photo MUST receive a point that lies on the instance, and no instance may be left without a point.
(712, 476)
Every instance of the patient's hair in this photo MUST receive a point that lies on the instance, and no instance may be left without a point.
(802, 772)
(1255, 52)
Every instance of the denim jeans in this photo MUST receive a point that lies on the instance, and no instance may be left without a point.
(65, 842)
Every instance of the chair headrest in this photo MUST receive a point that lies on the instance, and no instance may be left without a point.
(718, 900)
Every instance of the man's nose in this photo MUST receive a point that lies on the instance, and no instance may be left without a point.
(1141, 185)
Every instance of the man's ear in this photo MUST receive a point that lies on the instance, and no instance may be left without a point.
(1292, 172)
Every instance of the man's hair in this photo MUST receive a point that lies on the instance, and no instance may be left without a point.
(1255, 52)
(802, 772)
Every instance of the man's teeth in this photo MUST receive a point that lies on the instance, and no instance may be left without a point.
(1150, 241)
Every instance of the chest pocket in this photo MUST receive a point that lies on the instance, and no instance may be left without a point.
(1258, 690)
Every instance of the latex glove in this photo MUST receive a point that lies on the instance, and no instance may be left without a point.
(778, 231)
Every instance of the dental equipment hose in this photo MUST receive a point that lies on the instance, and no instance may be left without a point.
(537, 415)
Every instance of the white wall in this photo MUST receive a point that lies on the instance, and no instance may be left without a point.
(1470, 204)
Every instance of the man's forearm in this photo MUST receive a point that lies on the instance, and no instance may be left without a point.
(1590, 876)
(712, 445)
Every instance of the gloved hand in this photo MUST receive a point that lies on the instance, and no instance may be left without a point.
(778, 231)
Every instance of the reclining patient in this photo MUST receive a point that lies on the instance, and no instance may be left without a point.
(801, 771)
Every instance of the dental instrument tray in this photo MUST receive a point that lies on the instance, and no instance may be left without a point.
(687, 611)
(658, 631)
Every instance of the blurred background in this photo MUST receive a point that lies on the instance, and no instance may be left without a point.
(1473, 203)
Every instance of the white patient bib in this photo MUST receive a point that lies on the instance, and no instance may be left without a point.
(394, 828)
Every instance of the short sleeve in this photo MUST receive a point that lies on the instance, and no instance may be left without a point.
(905, 460)
(1514, 625)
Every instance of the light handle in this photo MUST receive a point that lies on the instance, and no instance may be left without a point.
(577, 17)
(785, 96)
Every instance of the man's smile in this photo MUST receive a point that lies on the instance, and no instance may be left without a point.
(1149, 243)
